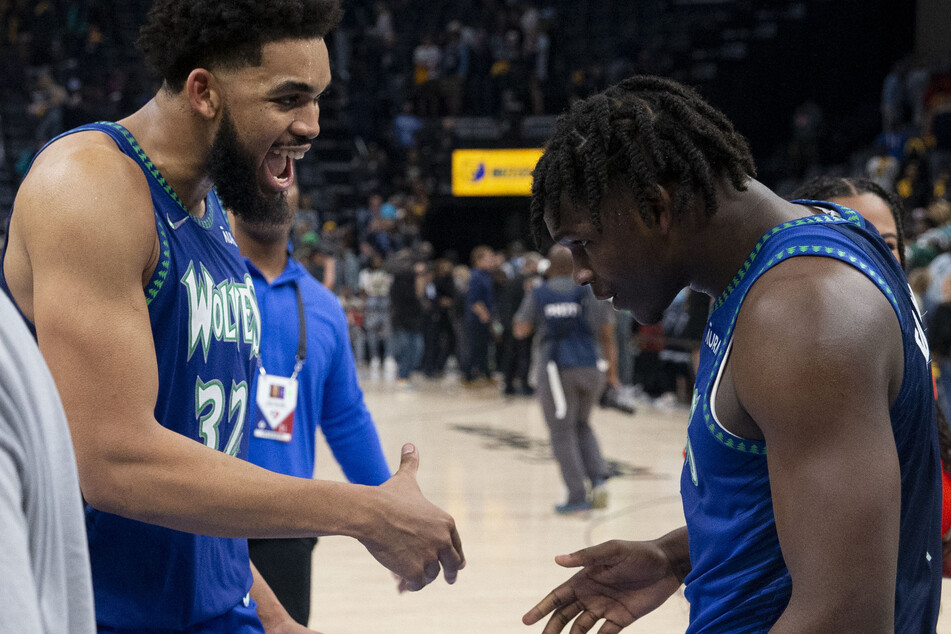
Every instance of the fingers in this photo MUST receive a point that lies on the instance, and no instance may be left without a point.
(451, 563)
(610, 628)
(447, 560)
(561, 618)
(557, 599)
(409, 459)
(600, 554)
(452, 559)
(415, 585)
(584, 623)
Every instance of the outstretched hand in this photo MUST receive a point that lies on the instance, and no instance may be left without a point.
(415, 538)
(619, 581)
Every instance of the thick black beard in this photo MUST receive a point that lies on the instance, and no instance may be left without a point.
(232, 169)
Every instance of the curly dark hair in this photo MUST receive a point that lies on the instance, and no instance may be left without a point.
(639, 133)
(826, 187)
(181, 35)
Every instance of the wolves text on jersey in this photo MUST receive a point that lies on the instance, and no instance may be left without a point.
(225, 311)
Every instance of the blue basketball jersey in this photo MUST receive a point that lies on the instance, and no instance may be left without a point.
(567, 334)
(206, 329)
(739, 581)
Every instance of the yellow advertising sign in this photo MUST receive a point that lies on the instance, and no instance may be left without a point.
(493, 172)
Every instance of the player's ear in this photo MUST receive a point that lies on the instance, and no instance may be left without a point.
(204, 93)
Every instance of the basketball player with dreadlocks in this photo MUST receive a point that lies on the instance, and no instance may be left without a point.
(811, 484)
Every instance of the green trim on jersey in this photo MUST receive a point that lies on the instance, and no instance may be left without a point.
(209, 218)
(161, 271)
(818, 218)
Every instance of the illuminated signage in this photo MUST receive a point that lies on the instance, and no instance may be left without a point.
(493, 172)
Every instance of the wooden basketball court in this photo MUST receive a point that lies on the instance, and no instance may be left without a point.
(487, 461)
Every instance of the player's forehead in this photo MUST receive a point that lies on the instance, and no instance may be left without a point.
(301, 63)
(570, 221)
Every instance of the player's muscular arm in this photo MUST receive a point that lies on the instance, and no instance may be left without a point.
(88, 227)
(817, 360)
(89, 232)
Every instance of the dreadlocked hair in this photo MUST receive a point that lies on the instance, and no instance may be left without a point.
(637, 134)
(826, 187)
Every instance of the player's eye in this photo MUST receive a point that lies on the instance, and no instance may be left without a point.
(287, 102)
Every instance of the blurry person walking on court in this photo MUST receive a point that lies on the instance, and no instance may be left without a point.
(306, 379)
(44, 564)
(570, 323)
(121, 258)
(811, 485)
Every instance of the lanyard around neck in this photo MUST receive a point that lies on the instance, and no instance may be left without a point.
(301, 355)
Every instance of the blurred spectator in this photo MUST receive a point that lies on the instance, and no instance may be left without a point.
(454, 67)
(480, 304)
(515, 359)
(479, 86)
(440, 338)
(912, 186)
(806, 132)
(882, 167)
(46, 105)
(348, 269)
(940, 341)
(508, 71)
(893, 96)
(427, 57)
(375, 283)
(406, 314)
(406, 125)
(382, 28)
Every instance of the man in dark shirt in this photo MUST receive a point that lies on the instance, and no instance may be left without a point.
(480, 302)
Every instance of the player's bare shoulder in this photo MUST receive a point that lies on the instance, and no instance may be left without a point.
(820, 296)
(814, 317)
(84, 204)
(82, 178)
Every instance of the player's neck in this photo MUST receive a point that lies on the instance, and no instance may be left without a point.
(172, 139)
(723, 242)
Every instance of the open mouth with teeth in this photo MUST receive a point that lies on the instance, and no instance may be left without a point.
(279, 164)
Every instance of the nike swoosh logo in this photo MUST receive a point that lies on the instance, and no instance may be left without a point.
(175, 225)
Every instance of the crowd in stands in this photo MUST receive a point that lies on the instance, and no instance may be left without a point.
(402, 72)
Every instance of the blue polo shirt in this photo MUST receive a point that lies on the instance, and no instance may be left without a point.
(329, 396)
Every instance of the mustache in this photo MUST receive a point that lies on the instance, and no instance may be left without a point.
(295, 141)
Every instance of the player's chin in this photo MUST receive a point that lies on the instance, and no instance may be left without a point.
(621, 302)
(642, 314)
